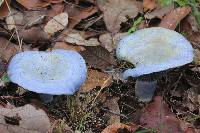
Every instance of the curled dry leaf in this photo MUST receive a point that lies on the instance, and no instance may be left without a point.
(67, 46)
(25, 119)
(171, 20)
(116, 11)
(109, 42)
(158, 116)
(33, 4)
(76, 14)
(98, 57)
(96, 78)
(59, 22)
(159, 12)
(149, 4)
(116, 126)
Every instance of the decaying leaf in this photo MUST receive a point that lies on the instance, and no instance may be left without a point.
(98, 57)
(59, 22)
(77, 38)
(34, 34)
(67, 46)
(96, 78)
(116, 12)
(109, 42)
(25, 119)
(159, 12)
(7, 49)
(171, 20)
(4, 11)
(116, 126)
(112, 105)
(76, 14)
(149, 4)
(157, 116)
(33, 4)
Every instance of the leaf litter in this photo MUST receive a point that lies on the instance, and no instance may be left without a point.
(94, 28)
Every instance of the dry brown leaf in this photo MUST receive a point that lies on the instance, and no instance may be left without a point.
(67, 46)
(55, 9)
(76, 14)
(149, 4)
(59, 22)
(158, 116)
(33, 4)
(159, 12)
(112, 105)
(190, 29)
(116, 126)
(7, 49)
(98, 57)
(116, 11)
(26, 119)
(34, 34)
(4, 11)
(96, 78)
(190, 130)
(77, 38)
(109, 42)
(171, 20)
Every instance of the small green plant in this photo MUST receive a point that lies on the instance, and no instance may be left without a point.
(135, 25)
(5, 78)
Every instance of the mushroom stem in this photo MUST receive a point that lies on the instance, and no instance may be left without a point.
(144, 90)
(46, 98)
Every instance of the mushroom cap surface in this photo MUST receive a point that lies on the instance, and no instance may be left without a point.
(153, 50)
(56, 72)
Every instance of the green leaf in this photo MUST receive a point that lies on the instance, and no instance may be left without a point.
(165, 3)
(195, 11)
(182, 2)
(135, 25)
(5, 78)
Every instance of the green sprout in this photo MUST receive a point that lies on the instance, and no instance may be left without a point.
(135, 25)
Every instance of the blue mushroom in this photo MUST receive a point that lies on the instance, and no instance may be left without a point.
(54, 73)
(153, 50)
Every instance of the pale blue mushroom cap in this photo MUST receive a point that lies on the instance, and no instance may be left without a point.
(56, 72)
(153, 50)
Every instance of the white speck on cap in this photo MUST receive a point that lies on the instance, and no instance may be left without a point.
(56, 72)
(154, 49)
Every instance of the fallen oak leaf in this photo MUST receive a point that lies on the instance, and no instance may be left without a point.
(24, 119)
(98, 57)
(77, 38)
(171, 20)
(96, 78)
(59, 22)
(110, 42)
(158, 116)
(116, 11)
(159, 12)
(67, 46)
(76, 14)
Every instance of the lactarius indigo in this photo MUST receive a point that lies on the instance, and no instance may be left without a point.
(48, 73)
(153, 50)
